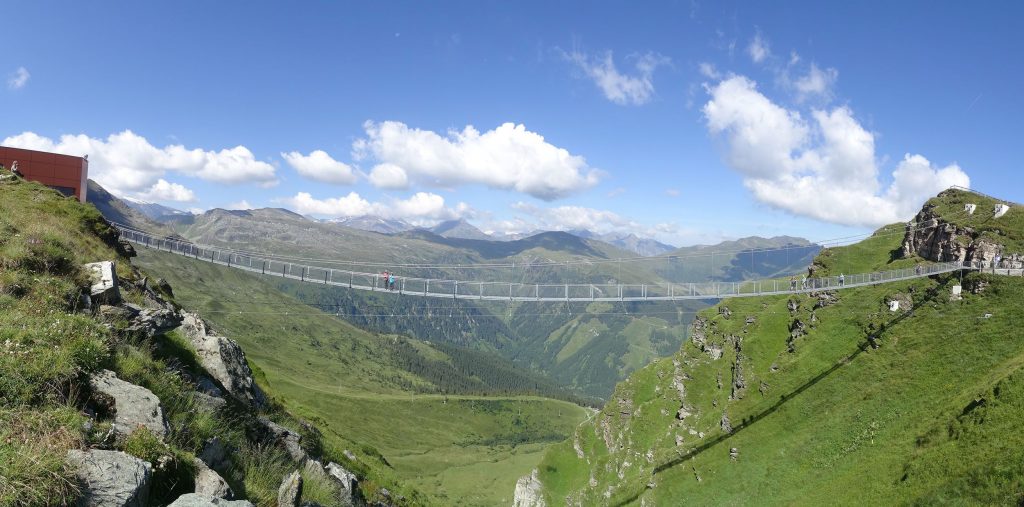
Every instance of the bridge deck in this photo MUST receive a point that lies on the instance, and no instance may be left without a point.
(505, 291)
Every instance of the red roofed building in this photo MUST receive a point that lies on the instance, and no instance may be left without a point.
(67, 174)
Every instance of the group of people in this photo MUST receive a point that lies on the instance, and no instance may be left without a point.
(803, 282)
(388, 279)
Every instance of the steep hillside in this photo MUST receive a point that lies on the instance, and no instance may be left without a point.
(118, 211)
(111, 394)
(586, 347)
(442, 417)
(822, 399)
(742, 259)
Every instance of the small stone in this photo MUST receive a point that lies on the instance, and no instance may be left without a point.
(290, 491)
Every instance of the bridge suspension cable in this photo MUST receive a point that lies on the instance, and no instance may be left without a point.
(512, 291)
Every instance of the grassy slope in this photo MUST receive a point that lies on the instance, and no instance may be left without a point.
(462, 449)
(48, 347)
(515, 331)
(836, 422)
(1007, 230)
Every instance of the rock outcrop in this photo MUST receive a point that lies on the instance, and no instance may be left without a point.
(200, 500)
(279, 435)
(104, 289)
(215, 454)
(347, 481)
(528, 492)
(111, 478)
(934, 239)
(210, 483)
(223, 359)
(290, 491)
(152, 322)
(133, 406)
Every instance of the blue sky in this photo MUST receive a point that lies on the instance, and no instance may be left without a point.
(686, 121)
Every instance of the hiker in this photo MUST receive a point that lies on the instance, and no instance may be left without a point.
(792, 283)
(842, 279)
(917, 270)
(384, 279)
(803, 282)
(391, 281)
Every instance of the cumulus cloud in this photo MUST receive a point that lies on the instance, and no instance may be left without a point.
(508, 157)
(564, 218)
(164, 190)
(758, 48)
(242, 205)
(319, 166)
(389, 176)
(422, 207)
(620, 88)
(18, 79)
(127, 164)
(823, 167)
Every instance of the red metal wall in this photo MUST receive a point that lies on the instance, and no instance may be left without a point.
(50, 169)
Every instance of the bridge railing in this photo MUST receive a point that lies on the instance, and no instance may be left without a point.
(464, 289)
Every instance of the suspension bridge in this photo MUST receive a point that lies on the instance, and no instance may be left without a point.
(512, 291)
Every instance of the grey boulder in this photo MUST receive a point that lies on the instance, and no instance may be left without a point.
(210, 483)
(223, 359)
(103, 277)
(290, 491)
(134, 406)
(200, 500)
(111, 478)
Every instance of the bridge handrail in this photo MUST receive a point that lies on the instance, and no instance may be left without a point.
(517, 291)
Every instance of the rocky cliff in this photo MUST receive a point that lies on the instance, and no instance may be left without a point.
(944, 235)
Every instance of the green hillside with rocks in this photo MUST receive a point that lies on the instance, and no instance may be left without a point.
(588, 348)
(835, 397)
(112, 392)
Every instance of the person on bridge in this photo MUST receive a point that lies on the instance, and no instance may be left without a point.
(792, 283)
(842, 280)
(384, 279)
(803, 282)
(391, 281)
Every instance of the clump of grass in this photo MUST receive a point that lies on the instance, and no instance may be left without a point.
(259, 470)
(33, 447)
(174, 470)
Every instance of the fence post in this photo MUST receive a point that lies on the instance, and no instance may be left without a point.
(264, 270)
(455, 291)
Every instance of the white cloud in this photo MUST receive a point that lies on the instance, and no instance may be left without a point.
(816, 82)
(422, 207)
(389, 176)
(709, 71)
(126, 163)
(825, 169)
(617, 87)
(508, 157)
(164, 190)
(319, 166)
(18, 79)
(563, 218)
(758, 49)
(242, 205)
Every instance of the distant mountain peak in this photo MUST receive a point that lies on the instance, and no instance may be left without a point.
(373, 223)
(460, 229)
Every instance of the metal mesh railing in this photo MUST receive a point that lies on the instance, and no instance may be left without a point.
(512, 291)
